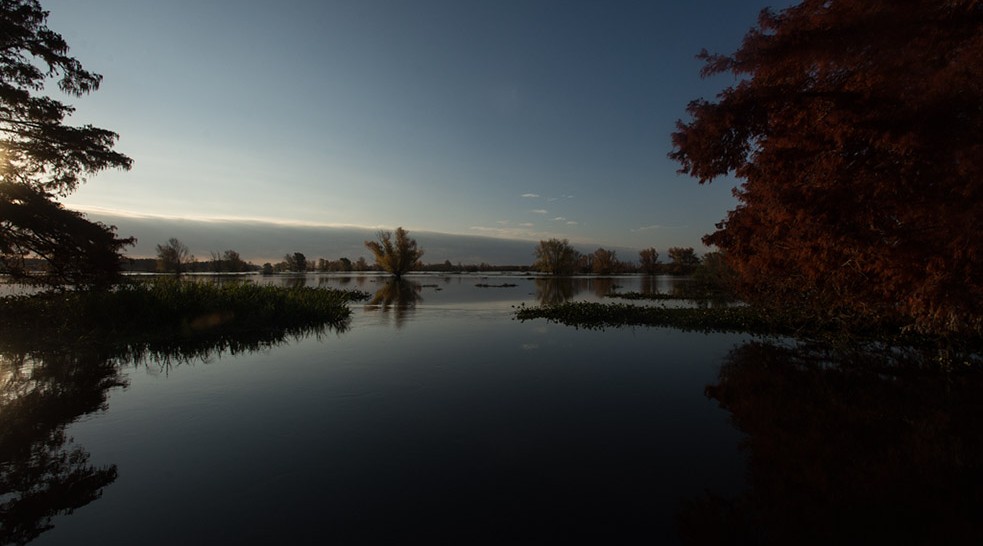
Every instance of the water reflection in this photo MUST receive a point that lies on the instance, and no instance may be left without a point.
(42, 472)
(556, 290)
(396, 298)
(294, 281)
(864, 448)
(49, 380)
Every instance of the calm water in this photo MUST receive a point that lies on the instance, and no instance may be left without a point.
(436, 417)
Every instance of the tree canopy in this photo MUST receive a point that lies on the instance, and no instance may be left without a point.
(72, 250)
(41, 156)
(173, 256)
(38, 148)
(857, 129)
(556, 257)
(397, 257)
(648, 259)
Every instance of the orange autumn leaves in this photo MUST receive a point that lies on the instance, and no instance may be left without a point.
(857, 130)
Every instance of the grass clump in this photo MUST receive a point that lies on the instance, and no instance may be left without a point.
(592, 315)
(169, 307)
(755, 321)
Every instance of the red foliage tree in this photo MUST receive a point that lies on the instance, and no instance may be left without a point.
(857, 128)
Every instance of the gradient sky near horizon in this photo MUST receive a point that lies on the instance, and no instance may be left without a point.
(523, 119)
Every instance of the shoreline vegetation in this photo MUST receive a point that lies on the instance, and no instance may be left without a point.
(155, 316)
(947, 351)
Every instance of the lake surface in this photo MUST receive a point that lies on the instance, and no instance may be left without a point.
(435, 417)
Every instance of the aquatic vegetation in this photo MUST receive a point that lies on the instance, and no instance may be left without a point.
(592, 315)
(754, 320)
(170, 307)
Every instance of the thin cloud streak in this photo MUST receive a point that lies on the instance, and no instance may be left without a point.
(655, 227)
(219, 219)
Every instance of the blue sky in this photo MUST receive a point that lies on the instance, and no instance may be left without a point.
(520, 119)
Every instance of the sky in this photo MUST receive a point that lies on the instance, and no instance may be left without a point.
(524, 119)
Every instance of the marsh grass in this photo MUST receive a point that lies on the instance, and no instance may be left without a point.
(755, 321)
(173, 309)
(593, 315)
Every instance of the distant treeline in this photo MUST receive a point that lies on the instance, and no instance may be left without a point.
(345, 265)
(174, 257)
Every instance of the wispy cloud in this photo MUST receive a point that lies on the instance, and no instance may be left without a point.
(571, 223)
(559, 219)
(539, 211)
(656, 226)
(525, 231)
(551, 199)
(502, 222)
(530, 195)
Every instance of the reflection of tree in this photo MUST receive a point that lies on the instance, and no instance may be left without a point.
(861, 448)
(42, 474)
(555, 290)
(294, 281)
(601, 287)
(50, 378)
(398, 295)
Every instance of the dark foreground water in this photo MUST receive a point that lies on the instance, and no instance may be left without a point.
(436, 418)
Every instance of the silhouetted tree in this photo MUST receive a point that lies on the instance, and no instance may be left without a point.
(397, 257)
(714, 278)
(41, 157)
(649, 261)
(173, 256)
(296, 262)
(38, 149)
(684, 260)
(858, 131)
(230, 260)
(71, 249)
(234, 262)
(556, 257)
(605, 262)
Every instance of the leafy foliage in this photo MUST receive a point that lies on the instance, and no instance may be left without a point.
(41, 157)
(73, 250)
(37, 148)
(857, 128)
(684, 260)
(397, 257)
(173, 256)
(648, 260)
(605, 262)
(296, 262)
(556, 257)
